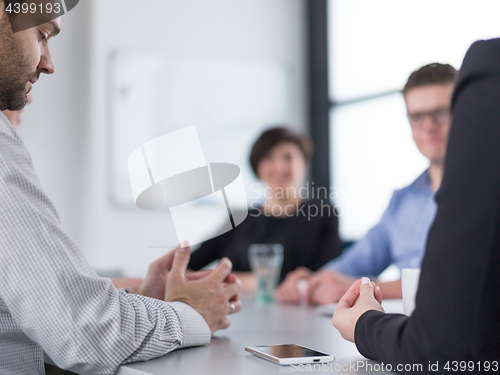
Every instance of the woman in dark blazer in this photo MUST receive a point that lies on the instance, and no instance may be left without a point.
(456, 323)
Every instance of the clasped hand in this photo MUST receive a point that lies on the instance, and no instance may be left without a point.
(213, 293)
(362, 296)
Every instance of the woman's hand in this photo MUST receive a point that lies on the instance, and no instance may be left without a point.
(362, 296)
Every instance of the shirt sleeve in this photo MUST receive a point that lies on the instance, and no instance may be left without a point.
(329, 245)
(457, 304)
(369, 256)
(52, 295)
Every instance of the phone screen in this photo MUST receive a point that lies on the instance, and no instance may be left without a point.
(289, 351)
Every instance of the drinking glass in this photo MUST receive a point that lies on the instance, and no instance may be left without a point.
(265, 261)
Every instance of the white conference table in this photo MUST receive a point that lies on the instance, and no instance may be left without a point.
(263, 324)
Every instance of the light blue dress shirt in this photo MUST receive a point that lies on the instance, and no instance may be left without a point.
(400, 236)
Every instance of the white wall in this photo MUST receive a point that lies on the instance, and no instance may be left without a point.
(256, 30)
(55, 125)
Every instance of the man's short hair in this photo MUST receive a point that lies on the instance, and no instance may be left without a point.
(431, 74)
(273, 137)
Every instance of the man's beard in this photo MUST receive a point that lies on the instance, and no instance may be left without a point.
(14, 70)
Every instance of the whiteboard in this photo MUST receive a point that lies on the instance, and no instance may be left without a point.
(229, 102)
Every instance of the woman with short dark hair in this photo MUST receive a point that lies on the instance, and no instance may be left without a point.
(306, 228)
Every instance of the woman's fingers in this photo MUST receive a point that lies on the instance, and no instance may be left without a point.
(377, 293)
(350, 296)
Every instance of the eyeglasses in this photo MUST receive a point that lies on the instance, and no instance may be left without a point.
(439, 117)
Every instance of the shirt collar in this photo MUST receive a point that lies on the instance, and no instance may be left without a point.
(422, 182)
(4, 120)
(5, 125)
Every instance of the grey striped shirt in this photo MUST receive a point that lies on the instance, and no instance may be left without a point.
(50, 298)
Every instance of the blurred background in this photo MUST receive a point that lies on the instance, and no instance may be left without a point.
(129, 71)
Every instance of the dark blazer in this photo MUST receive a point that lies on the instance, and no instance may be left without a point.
(457, 315)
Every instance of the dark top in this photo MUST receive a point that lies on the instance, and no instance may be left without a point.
(309, 241)
(457, 315)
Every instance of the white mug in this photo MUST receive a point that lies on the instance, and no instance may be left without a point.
(409, 283)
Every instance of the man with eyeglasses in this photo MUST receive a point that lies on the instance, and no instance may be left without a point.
(400, 236)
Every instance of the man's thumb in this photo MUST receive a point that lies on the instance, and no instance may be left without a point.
(181, 261)
(366, 288)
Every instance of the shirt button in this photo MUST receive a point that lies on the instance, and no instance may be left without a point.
(415, 262)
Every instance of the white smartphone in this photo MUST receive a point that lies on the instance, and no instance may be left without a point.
(289, 354)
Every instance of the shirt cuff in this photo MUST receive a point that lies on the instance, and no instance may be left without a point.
(195, 330)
